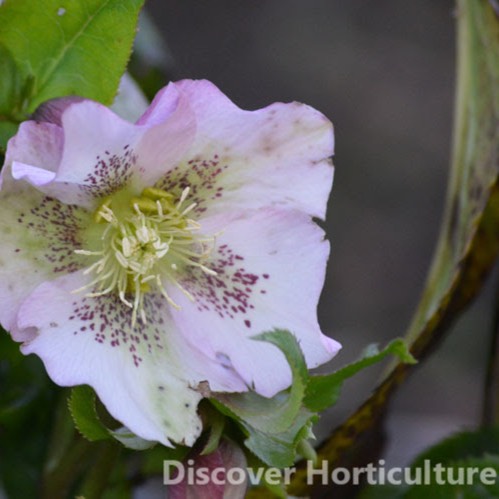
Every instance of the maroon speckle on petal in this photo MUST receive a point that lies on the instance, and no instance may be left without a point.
(108, 319)
(110, 173)
(58, 224)
(230, 293)
(201, 175)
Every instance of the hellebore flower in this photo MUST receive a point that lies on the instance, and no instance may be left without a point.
(140, 258)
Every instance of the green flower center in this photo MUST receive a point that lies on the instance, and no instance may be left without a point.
(145, 242)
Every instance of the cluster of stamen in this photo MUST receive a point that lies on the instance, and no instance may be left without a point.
(146, 248)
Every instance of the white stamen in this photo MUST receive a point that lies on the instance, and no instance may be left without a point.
(183, 196)
(141, 251)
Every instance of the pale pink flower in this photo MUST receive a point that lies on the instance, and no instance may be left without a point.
(141, 258)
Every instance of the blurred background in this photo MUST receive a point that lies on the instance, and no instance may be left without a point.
(383, 72)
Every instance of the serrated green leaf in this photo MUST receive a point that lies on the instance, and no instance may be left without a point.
(82, 407)
(62, 47)
(274, 426)
(323, 390)
(279, 449)
(276, 414)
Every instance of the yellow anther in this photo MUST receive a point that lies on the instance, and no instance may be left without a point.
(145, 205)
(167, 205)
(155, 194)
(149, 199)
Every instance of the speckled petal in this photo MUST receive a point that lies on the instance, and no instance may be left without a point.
(91, 154)
(270, 269)
(98, 153)
(38, 238)
(277, 156)
(146, 376)
(102, 152)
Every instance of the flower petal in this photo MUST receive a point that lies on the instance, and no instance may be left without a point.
(171, 128)
(36, 144)
(146, 376)
(98, 149)
(270, 269)
(39, 235)
(90, 153)
(276, 156)
(34, 175)
(101, 151)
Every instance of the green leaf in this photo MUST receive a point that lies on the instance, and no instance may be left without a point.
(273, 426)
(324, 390)
(62, 47)
(459, 453)
(7, 130)
(462, 446)
(279, 449)
(9, 82)
(82, 408)
(215, 422)
(276, 414)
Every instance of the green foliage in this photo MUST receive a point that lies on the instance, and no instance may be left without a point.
(452, 468)
(323, 390)
(82, 407)
(53, 48)
(277, 413)
(279, 448)
(215, 425)
(274, 427)
(130, 440)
